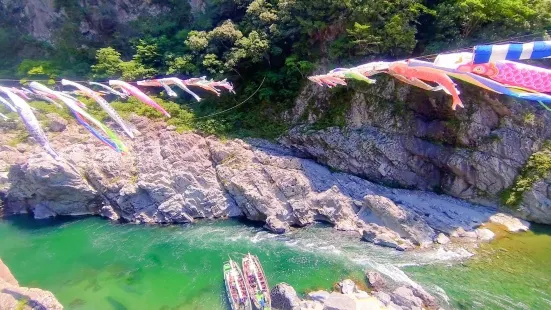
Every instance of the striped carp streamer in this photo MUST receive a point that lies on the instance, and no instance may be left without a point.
(102, 103)
(134, 91)
(30, 121)
(76, 109)
(518, 51)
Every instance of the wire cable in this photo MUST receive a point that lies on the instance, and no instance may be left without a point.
(229, 109)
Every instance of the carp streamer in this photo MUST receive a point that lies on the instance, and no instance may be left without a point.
(491, 67)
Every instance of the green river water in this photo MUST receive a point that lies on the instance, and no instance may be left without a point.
(90, 263)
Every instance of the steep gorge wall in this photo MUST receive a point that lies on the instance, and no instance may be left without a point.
(402, 136)
(42, 18)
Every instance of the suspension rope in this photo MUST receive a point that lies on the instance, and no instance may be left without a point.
(224, 111)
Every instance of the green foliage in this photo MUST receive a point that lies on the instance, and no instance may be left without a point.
(197, 41)
(530, 119)
(21, 304)
(183, 64)
(464, 21)
(38, 69)
(336, 111)
(21, 136)
(536, 168)
(108, 61)
(46, 108)
(364, 39)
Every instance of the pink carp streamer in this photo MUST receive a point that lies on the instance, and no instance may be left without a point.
(424, 74)
(134, 91)
(513, 74)
(30, 121)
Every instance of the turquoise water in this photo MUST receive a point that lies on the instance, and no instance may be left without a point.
(90, 263)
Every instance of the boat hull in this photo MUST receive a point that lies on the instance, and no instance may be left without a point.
(256, 282)
(236, 289)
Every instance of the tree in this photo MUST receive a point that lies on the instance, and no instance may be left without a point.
(197, 41)
(213, 64)
(226, 34)
(107, 64)
(148, 54)
(133, 70)
(364, 39)
(184, 64)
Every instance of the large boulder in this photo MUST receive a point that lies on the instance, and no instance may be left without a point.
(12, 296)
(49, 188)
(347, 286)
(56, 123)
(405, 222)
(376, 281)
(337, 301)
(284, 297)
(6, 275)
(404, 297)
(512, 224)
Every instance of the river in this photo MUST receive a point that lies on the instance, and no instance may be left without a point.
(91, 263)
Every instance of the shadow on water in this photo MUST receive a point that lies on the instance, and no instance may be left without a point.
(539, 229)
(29, 223)
(117, 305)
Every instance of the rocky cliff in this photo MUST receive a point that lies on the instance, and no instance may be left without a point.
(402, 136)
(12, 296)
(42, 18)
(168, 177)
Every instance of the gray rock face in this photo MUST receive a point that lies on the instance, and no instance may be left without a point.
(442, 239)
(405, 298)
(12, 296)
(284, 297)
(6, 275)
(167, 177)
(376, 281)
(347, 286)
(320, 296)
(49, 188)
(407, 137)
(512, 224)
(405, 222)
(337, 301)
(42, 18)
(56, 123)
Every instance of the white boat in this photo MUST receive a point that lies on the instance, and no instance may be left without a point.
(238, 295)
(256, 282)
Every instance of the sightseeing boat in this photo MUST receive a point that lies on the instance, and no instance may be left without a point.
(236, 288)
(256, 282)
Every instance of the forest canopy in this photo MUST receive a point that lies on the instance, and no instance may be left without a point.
(279, 41)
